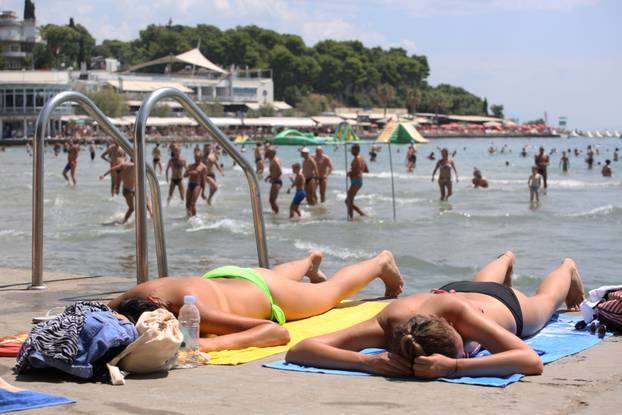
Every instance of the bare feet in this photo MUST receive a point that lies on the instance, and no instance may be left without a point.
(314, 273)
(576, 291)
(391, 275)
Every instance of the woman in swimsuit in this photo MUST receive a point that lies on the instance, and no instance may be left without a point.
(245, 307)
(431, 335)
(444, 165)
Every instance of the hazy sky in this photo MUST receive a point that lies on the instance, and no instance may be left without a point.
(559, 56)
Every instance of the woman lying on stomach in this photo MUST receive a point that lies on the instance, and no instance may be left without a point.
(244, 307)
(431, 335)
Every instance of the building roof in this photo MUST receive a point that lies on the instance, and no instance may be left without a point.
(277, 105)
(34, 77)
(146, 86)
(192, 57)
(327, 120)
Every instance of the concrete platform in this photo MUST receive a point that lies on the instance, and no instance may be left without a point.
(586, 383)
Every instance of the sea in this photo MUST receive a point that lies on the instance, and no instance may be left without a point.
(434, 242)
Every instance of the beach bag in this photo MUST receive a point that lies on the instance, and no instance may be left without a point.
(154, 351)
(609, 310)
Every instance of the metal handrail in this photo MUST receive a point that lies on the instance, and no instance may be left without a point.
(37, 187)
(139, 156)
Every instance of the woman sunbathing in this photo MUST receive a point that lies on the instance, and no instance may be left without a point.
(431, 335)
(238, 304)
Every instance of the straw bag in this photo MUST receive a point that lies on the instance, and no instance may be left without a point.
(155, 350)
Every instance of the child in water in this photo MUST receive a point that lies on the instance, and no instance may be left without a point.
(534, 182)
(298, 181)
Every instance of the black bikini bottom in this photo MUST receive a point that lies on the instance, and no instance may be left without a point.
(493, 289)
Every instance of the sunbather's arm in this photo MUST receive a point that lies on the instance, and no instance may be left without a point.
(235, 332)
(340, 350)
(509, 353)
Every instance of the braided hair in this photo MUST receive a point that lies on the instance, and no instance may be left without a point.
(423, 335)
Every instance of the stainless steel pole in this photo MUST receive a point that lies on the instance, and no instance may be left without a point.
(38, 174)
(392, 183)
(192, 109)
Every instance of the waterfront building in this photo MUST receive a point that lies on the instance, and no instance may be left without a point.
(17, 40)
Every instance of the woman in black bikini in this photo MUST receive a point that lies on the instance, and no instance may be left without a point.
(431, 335)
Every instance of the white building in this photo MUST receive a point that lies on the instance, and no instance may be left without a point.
(17, 39)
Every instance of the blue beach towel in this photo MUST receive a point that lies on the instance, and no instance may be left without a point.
(558, 339)
(20, 401)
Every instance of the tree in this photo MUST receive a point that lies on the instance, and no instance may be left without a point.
(313, 104)
(485, 106)
(212, 110)
(111, 104)
(413, 99)
(161, 110)
(385, 93)
(266, 111)
(497, 110)
(29, 10)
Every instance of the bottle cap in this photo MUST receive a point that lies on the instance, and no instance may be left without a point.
(189, 299)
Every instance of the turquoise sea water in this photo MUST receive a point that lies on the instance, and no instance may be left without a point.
(434, 242)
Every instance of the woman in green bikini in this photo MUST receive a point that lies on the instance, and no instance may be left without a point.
(245, 307)
(431, 335)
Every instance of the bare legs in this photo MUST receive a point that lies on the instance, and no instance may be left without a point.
(498, 270)
(300, 300)
(274, 193)
(306, 267)
(352, 191)
(563, 284)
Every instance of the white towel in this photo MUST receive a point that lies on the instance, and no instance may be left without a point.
(593, 298)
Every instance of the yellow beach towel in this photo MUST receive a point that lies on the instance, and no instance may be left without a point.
(346, 314)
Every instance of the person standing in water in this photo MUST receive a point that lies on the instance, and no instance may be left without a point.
(411, 158)
(478, 179)
(310, 171)
(564, 162)
(274, 178)
(176, 164)
(534, 182)
(606, 171)
(157, 155)
(115, 156)
(92, 149)
(357, 168)
(298, 182)
(542, 161)
(589, 159)
(324, 169)
(444, 167)
(126, 173)
(259, 155)
(210, 160)
(73, 150)
(196, 173)
(615, 154)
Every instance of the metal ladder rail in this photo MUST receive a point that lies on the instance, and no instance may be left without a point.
(38, 180)
(139, 156)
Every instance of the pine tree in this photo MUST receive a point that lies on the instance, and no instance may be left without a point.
(485, 106)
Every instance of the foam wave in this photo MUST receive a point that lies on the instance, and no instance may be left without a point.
(375, 197)
(341, 253)
(11, 233)
(608, 210)
(232, 225)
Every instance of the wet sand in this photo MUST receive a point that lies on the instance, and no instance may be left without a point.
(586, 383)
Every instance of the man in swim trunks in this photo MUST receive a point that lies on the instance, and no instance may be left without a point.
(357, 168)
(324, 169)
(445, 165)
(589, 159)
(244, 307)
(274, 178)
(176, 164)
(411, 158)
(431, 335)
(309, 170)
(73, 150)
(211, 162)
(196, 174)
(126, 173)
(542, 161)
(157, 155)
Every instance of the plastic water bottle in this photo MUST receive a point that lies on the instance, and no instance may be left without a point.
(189, 324)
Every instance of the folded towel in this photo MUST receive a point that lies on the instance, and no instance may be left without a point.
(556, 340)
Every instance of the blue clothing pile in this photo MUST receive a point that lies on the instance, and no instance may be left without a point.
(86, 335)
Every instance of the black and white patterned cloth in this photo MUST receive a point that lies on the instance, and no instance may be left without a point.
(58, 338)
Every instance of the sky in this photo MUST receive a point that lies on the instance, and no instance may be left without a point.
(562, 57)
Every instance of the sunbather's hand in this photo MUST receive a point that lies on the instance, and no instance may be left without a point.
(388, 364)
(434, 366)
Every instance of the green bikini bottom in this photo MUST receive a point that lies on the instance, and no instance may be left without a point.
(252, 276)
